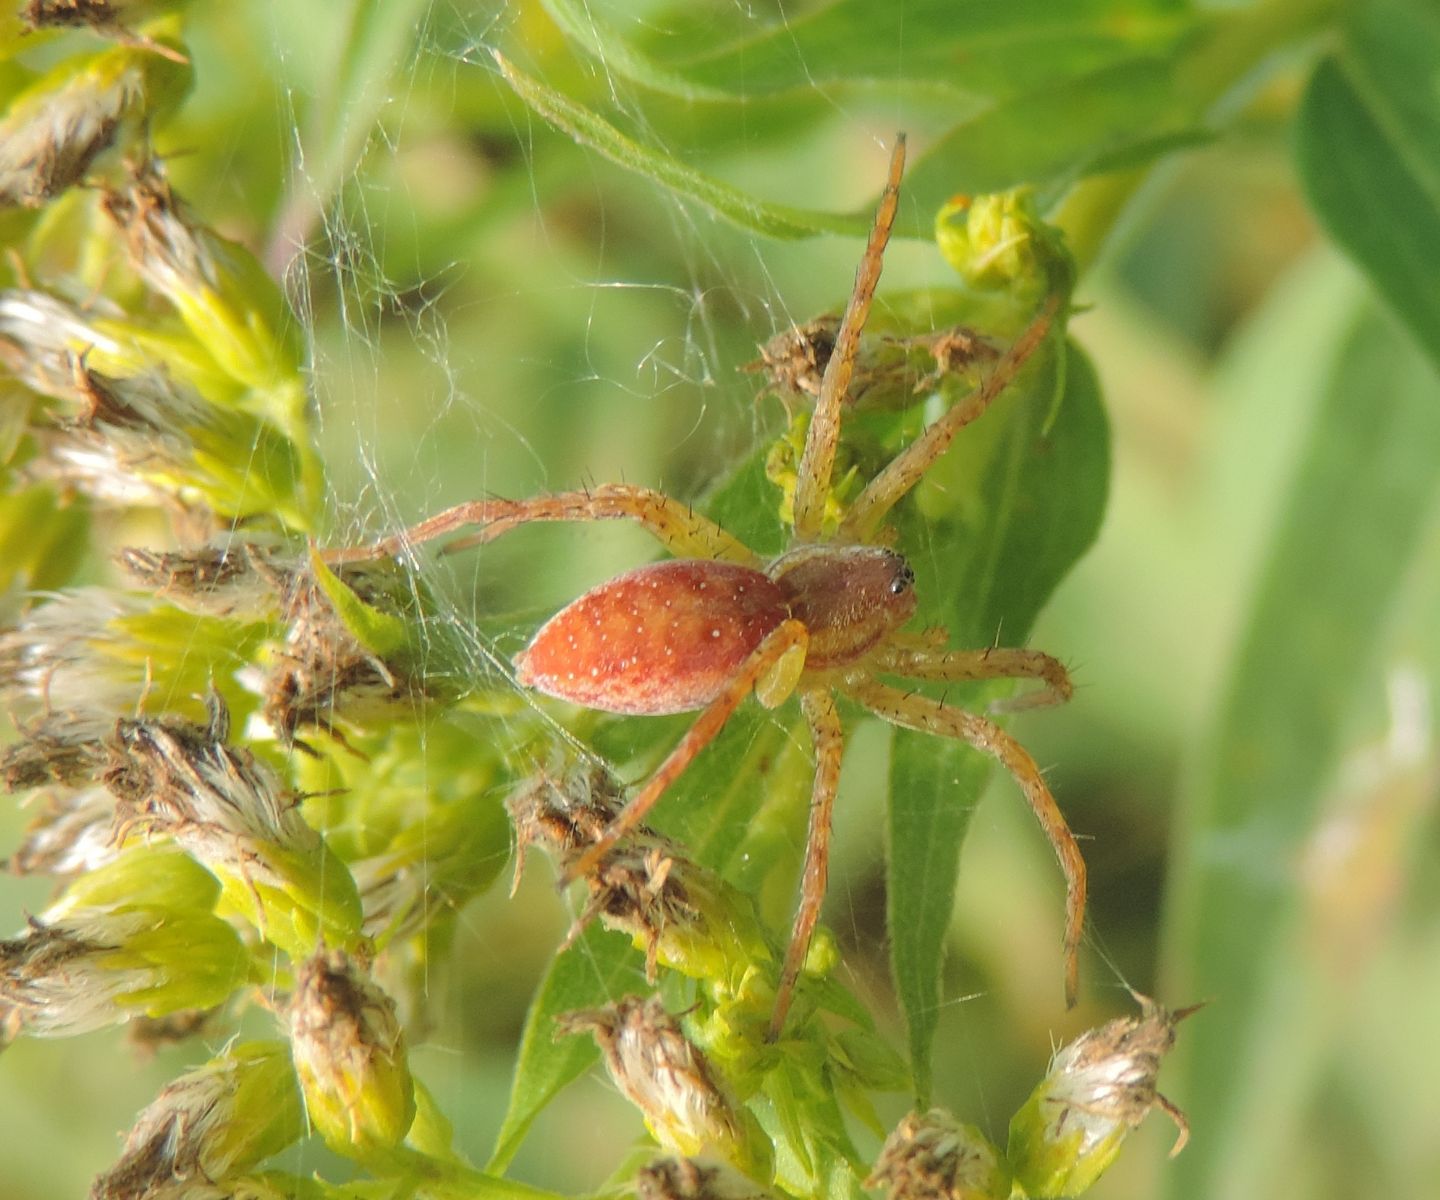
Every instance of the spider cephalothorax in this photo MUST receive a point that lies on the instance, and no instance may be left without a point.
(702, 631)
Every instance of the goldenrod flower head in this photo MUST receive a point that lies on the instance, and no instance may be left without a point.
(222, 294)
(135, 936)
(228, 578)
(932, 1156)
(227, 809)
(56, 129)
(133, 429)
(999, 241)
(666, 1076)
(69, 656)
(208, 1126)
(350, 1055)
(1099, 1088)
(348, 650)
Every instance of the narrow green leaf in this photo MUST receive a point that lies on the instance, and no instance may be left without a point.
(1012, 508)
(1373, 175)
(596, 968)
(591, 129)
(934, 785)
(584, 24)
(1354, 518)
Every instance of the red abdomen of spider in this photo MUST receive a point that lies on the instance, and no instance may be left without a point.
(663, 638)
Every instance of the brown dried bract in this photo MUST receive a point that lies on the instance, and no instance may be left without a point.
(932, 1156)
(322, 668)
(686, 1179)
(60, 748)
(242, 579)
(635, 887)
(890, 371)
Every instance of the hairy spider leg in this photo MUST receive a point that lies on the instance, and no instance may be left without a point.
(681, 530)
(922, 713)
(827, 737)
(817, 462)
(960, 666)
(786, 636)
(908, 467)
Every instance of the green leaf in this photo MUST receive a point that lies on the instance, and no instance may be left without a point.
(591, 129)
(1013, 505)
(595, 969)
(969, 47)
(1369, 157)
(1126, 113)
(1355, 516)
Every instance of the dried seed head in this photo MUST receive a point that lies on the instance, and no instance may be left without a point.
(1099, 1087)
(208, 1126)
(325, 671)
(686, 1179)
(662, 1072)
(56, 981)
(182, 780)
(680, 914)
(229, 579)
(932, 1156)
(216, 801)
(350, 1055)
(130, 429)
(73, 832)
(71, 657)
(55, 130)
(61, 748)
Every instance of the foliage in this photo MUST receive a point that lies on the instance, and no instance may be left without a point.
(273, 796)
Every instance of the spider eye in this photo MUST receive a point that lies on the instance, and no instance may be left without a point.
(903, 581)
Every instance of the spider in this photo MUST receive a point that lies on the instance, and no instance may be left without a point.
(703, 630)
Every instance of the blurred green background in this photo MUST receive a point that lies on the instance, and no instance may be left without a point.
(1250, 756)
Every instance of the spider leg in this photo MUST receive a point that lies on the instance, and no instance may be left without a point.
(1182, 1123)
(914, 711)
(783, 637)
(908, 467)
(957, 666)
(818, 459)
(681, 530)
(827, 737)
